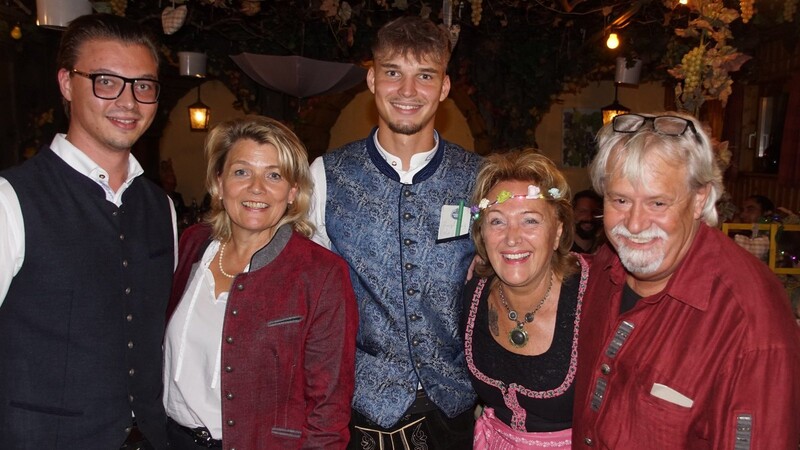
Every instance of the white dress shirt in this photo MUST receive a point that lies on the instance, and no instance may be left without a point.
(193, 350)
(12, 239)
(319, 196)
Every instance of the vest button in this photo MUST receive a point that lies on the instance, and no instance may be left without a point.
(588, 441)
(130, 398)
(228, 369)
(124, 263)
(411, 390)
(129, 317)
(605, 369)
(411, 292)
(231, 422)
(409, 266)
(127, 291)
(239, 287)
(408, 193)
(128, 430)
(229, 395)
(418, 365)
(407, 216)
(130, 344)
(114, 214)
(414, 317)
(229, 339)
(415, 342)
(121, 237)
(235, 312)
(131, 372)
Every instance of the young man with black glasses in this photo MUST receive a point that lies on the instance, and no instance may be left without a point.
(86, 259)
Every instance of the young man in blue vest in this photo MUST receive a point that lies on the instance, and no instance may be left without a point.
(389, 205)
(86, 259)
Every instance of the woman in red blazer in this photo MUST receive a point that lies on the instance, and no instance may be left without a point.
(259, 349)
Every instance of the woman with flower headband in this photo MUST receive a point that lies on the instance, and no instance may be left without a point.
(522, 310)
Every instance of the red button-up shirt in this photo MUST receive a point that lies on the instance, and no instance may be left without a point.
(711, 362)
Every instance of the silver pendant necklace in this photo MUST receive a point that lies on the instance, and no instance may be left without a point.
(518, 336)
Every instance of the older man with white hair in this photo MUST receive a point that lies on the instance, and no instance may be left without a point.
(687, 340)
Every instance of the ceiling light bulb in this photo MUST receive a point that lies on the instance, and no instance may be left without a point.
(16, 32)
(613, 41)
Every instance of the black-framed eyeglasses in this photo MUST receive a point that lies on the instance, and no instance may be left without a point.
(110, 87)
(666, 125)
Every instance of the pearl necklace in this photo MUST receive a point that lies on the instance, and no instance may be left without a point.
(219, 261)
(518, 336)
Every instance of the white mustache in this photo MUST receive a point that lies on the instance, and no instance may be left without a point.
(654, 232)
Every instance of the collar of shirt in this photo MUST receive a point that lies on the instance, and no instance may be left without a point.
(692, 281)
(418, 160)
(79, 161)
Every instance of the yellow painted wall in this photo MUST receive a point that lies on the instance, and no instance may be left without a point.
(644, 98)
(359, 116)
(185, 147)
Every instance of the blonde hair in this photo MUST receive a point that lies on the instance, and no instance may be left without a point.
(292, 162)
(528, 166)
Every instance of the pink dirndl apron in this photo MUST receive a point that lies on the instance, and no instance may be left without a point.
(492, 434)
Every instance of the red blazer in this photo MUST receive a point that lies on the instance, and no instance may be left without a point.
(288, 344)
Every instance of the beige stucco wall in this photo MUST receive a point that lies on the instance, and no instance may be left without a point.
(185, 147)
(644, 98)
(359, 116)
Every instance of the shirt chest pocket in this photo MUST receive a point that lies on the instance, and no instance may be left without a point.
(663, 410)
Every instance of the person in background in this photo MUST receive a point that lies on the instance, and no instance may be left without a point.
(755, 209)
(394, 206)
(86, 258)
(521, 313)
(688, 341)
(169, 182)
(260, 347)
(587, 207)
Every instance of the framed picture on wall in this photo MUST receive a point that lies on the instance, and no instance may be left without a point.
(578, 131)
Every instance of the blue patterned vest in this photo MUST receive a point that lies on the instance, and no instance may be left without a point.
(407, 284)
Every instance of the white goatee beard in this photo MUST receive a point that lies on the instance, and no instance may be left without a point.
(637, 261)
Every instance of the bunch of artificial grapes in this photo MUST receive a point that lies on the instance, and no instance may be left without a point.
(692, 64)
(477, 9)
(747, 9)
(118, 7)
(789, 10)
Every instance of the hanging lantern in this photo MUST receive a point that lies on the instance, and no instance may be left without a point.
(199, 114)
(614, 109)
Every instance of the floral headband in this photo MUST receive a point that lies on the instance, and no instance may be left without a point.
(533, 193)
